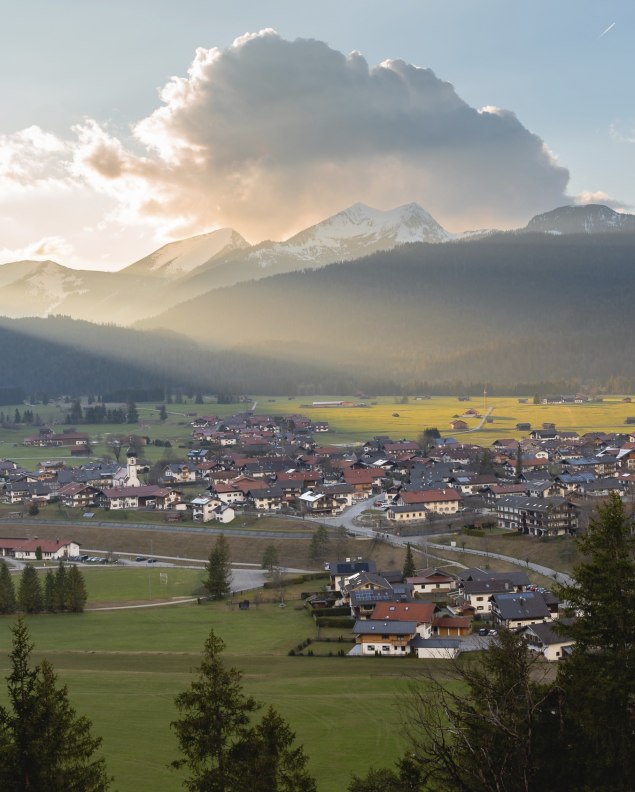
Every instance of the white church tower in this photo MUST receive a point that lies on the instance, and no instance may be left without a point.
(132, 476)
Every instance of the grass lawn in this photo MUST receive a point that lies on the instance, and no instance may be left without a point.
(124, 668)
(292, 552)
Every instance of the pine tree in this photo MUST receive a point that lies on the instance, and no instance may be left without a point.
(215, 718)
(132, 414)
(60, 587)
(221, 750)
(409, 568)
(30, 591)
(163, 413)
(76, 596)
(7, 590)
(218, 581)
(49, 599)
(598, 680)
(46, 746)
(269, 761)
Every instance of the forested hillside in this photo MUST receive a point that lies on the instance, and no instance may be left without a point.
(507, 308)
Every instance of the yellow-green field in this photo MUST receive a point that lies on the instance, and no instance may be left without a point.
(354, 424)
(381, 416)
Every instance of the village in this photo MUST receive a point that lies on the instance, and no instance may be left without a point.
(542, 486)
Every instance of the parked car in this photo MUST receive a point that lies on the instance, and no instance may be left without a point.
(152, 560)
(483, 631)
(140, 558)
(493, 632)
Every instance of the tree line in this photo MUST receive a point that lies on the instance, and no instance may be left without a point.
(64, 590)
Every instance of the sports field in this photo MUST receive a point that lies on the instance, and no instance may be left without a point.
(123, 669)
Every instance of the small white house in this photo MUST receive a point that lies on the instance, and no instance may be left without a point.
(203, 508)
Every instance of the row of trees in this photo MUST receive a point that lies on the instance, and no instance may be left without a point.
(518, 730)
(100, 414)
(63, 590)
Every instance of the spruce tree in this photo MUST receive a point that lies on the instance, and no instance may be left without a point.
(30, 591)
(60, 587)
(50, 592)
(7, 590)
(222, 751)
(598, 679)
(75, 596)
(409, 568)
(214, 720)
(269, 760)
(218, 581)
(46, 746)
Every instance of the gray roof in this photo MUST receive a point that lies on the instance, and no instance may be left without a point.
(487, 586)
(527, 605)
(435, 643)
(517, 578)
(370, 627)
(546, 633)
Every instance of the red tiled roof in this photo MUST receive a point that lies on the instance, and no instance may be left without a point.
(421, 612)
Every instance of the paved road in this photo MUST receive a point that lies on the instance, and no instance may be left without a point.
(559, 577)
(421, 543)
(346, 519)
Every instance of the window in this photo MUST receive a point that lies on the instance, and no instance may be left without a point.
(385, 648)
(370, 648)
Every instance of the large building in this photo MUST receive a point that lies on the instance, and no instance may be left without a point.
(537, 516)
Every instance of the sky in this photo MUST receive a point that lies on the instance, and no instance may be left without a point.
(127, 125)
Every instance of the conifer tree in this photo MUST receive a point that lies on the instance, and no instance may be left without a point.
(409, 568)
(218, 581)
(75, 596)
(270, 762)
(598, 679)
(60, 587)
(49, 599)
(214, 719)
(222, 750)
(46, 746)
(7, 590)
(30, 591)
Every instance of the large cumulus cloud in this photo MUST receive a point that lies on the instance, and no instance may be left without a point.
(270, 134)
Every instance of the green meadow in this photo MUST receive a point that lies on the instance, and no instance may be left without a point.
(123, 669)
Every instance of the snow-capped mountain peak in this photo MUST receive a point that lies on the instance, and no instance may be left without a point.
(180, 258)
(587, 219)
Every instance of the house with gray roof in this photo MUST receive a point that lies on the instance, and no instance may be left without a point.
(519, 610)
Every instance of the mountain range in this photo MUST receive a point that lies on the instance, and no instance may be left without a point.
(188, 268)
(364, 296)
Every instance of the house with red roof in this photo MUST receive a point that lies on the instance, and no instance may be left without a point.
(29, 549)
